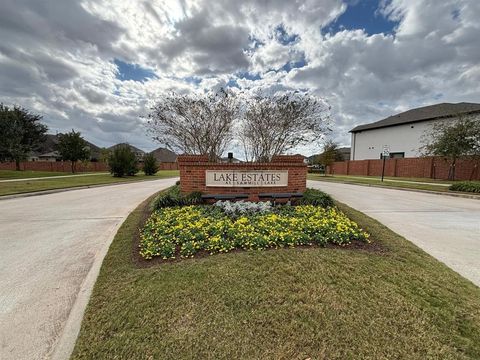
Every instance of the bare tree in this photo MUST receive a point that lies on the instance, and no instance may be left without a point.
(194, 124)
(275, 124)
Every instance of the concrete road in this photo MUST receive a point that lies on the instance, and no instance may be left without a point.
(51, 248)
(446, 227)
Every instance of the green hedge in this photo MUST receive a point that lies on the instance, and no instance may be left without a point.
(466, 186)
(316, 198)
(173, 197)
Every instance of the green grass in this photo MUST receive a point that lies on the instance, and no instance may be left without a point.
(318, 303)
(12, 174)
(17, 187)
(413, 183)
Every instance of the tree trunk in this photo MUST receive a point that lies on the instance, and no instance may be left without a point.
(451, 171)
(73, 167)
(17, 164)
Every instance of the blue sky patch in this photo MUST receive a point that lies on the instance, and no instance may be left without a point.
(232, 82)
(248, 75)
(363, 14)
(283, 37)
(129, 71)
(193, 80)
(294, 64)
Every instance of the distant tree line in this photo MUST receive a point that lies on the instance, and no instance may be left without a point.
(21, 133)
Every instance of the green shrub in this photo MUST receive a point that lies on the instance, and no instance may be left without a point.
(150, 166)
(466, 186)
(122, 161)
(316, 198)
(173, 197)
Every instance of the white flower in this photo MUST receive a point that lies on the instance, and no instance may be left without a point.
(243, 207)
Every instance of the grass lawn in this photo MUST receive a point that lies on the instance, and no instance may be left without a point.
(13, 174)
(8, 188)
(393, 301)
(407, 183)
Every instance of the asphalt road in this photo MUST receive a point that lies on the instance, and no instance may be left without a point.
(446, 227)
(51, 248)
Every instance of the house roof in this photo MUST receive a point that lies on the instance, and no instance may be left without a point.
(55, 154)
(226, 159)
(164, 155)
(51, 142)
(49, 145)
(133, 148)
(431, 112)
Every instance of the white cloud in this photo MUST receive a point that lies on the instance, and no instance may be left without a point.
(56, 58)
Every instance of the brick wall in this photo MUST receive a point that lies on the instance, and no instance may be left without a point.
(59, 166)
(425, 167)
(193, 168)
(168, 166)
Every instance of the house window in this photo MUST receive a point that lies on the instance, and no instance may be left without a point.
(394, 155)
(397, 155)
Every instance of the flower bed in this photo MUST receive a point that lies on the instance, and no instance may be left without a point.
(185, 231)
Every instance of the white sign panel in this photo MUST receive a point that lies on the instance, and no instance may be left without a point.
(386, 150)
(247, 178)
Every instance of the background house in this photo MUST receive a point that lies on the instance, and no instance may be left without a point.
(47, 151)
(233, 160)
(140, 154)
(342, 154)
(50, 156)
(163, 155)
(166, 159)
(403, 133)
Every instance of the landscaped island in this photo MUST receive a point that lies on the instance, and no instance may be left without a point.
(185, 230)
(387, 299)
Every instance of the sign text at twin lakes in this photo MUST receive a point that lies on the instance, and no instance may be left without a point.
(246, 178)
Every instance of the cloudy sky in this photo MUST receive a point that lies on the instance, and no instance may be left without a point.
(97, 65)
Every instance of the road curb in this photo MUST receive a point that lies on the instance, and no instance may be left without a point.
(453, 194)
(54, 191)
(65, 344)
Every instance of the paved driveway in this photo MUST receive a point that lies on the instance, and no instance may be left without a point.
(51, 248)
(446, 227)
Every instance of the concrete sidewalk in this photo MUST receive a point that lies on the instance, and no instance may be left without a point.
(448, 228)
(51, 249)
(53, 177)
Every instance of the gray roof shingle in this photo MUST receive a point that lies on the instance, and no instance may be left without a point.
(164, 155)
(133, 148)
(421, 114)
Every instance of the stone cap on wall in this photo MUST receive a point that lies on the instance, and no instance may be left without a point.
(277, 159)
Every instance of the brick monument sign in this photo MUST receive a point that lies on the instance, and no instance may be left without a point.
(284, 174)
